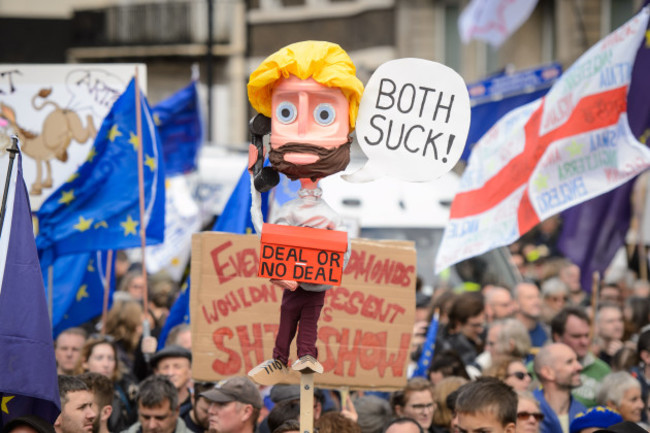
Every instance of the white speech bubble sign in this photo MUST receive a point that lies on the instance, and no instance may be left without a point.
(413, 121)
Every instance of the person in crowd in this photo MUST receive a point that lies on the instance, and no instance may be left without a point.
(621, 392)
(175, 362)
(196, 419)
(505, 338)
(446, 364)
(415, 401)
(558, 370)
(133, 283)
(594, 418)
(609, 331)
(529, 311)
(77, 406)
(282, 412)
(569, 273)
(486, 404)
(442, 416)
(555, 295)
(161, 291)
(465, 327)
(67, 349)
(158, 407)
(280, 395)
(28, 424)
(610, 293)
(403, 425)
(512, 371)
(291, 426)
(571, 326)
(99, 355)
(122, 264)
(373, 413)
(124, 322)
(636, 314)
(529, 415)
(498, 303)
(180, 335)
(235, 404)
(103, 391)
(641, 371)
(335, 422)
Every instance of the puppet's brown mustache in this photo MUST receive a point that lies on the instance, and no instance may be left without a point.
(330, 161)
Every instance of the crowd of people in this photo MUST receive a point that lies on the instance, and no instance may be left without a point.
(544, 356)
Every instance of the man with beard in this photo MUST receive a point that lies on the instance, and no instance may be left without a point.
(557, 367)
(311, 95)
(77, 407)
(571, 326)
(103, 391)
(197, 419)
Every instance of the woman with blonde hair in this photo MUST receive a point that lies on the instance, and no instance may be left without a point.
(512, 371)
(415, 401)
(443, 414)
(124, 325)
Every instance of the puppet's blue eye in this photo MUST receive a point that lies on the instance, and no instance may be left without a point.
(286, 112)
(324, 114)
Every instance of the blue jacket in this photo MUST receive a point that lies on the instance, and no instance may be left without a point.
(551, 423)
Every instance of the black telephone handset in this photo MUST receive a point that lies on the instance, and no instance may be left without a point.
(264, 178)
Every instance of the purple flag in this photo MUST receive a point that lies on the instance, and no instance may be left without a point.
(593, 231)
(28, 379)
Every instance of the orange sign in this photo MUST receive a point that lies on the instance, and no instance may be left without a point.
(302, 254)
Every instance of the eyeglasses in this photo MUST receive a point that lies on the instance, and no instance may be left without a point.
(524, 416)
(422, 407)
(520, 375)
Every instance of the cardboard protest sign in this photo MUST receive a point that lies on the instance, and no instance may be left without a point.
(365, 327)
(413, 121)
(56, 111)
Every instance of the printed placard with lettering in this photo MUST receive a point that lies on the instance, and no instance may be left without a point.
(364, 332)
(413, 121)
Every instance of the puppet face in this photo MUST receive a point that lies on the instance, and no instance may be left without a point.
(310, 124)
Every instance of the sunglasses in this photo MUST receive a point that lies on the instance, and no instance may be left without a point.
(524, 416)
(520, 375)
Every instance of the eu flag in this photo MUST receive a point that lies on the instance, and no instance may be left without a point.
(28, 380)
(428, 348)
(79, 288)
(179, 124)
(98, 208)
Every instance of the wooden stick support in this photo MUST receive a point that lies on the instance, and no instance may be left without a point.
(307, 403)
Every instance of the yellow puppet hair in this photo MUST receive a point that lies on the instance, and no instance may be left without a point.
(325, 62)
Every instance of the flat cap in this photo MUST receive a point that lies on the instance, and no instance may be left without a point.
(171, 351)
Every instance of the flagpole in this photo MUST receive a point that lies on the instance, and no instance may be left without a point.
(50, 289)
(13, 150)
(107, 287)
(143, 236)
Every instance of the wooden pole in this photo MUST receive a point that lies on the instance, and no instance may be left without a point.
(595, 286)
(307, 403)
(143, 226)
(107, 287)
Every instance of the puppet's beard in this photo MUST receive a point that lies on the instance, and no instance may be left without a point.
(330, 161)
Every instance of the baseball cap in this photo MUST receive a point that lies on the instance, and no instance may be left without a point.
(238, 388)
